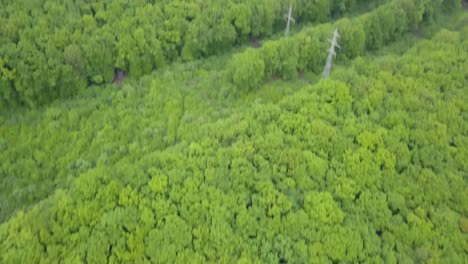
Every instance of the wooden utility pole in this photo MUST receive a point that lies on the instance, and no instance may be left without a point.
(289, 18)
(331, 53)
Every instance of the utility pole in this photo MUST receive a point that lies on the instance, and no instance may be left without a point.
(331, 53)
(289, 18)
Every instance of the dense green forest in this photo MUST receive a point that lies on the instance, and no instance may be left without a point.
(52, 48)
(223, 144)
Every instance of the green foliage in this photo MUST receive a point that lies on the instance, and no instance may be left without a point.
(368, 166)
(352, 37)
(246, 70)
(41, 53)
(323, 209)
(305, 50)
(452, 5)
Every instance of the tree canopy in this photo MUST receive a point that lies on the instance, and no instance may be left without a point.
(242, 157)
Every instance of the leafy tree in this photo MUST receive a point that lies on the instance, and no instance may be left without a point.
(322, 208)
(165, 244)
(318, 11)
(352, 37)
(246, 70)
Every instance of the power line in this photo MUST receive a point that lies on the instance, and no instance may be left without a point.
(290, 19)
(331, 53)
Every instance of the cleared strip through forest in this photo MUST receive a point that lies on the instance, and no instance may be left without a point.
(307, 50)
(168, 113)
(57, 58)
(316, 172)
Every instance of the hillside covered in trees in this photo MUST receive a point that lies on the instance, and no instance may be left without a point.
(223, 144)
